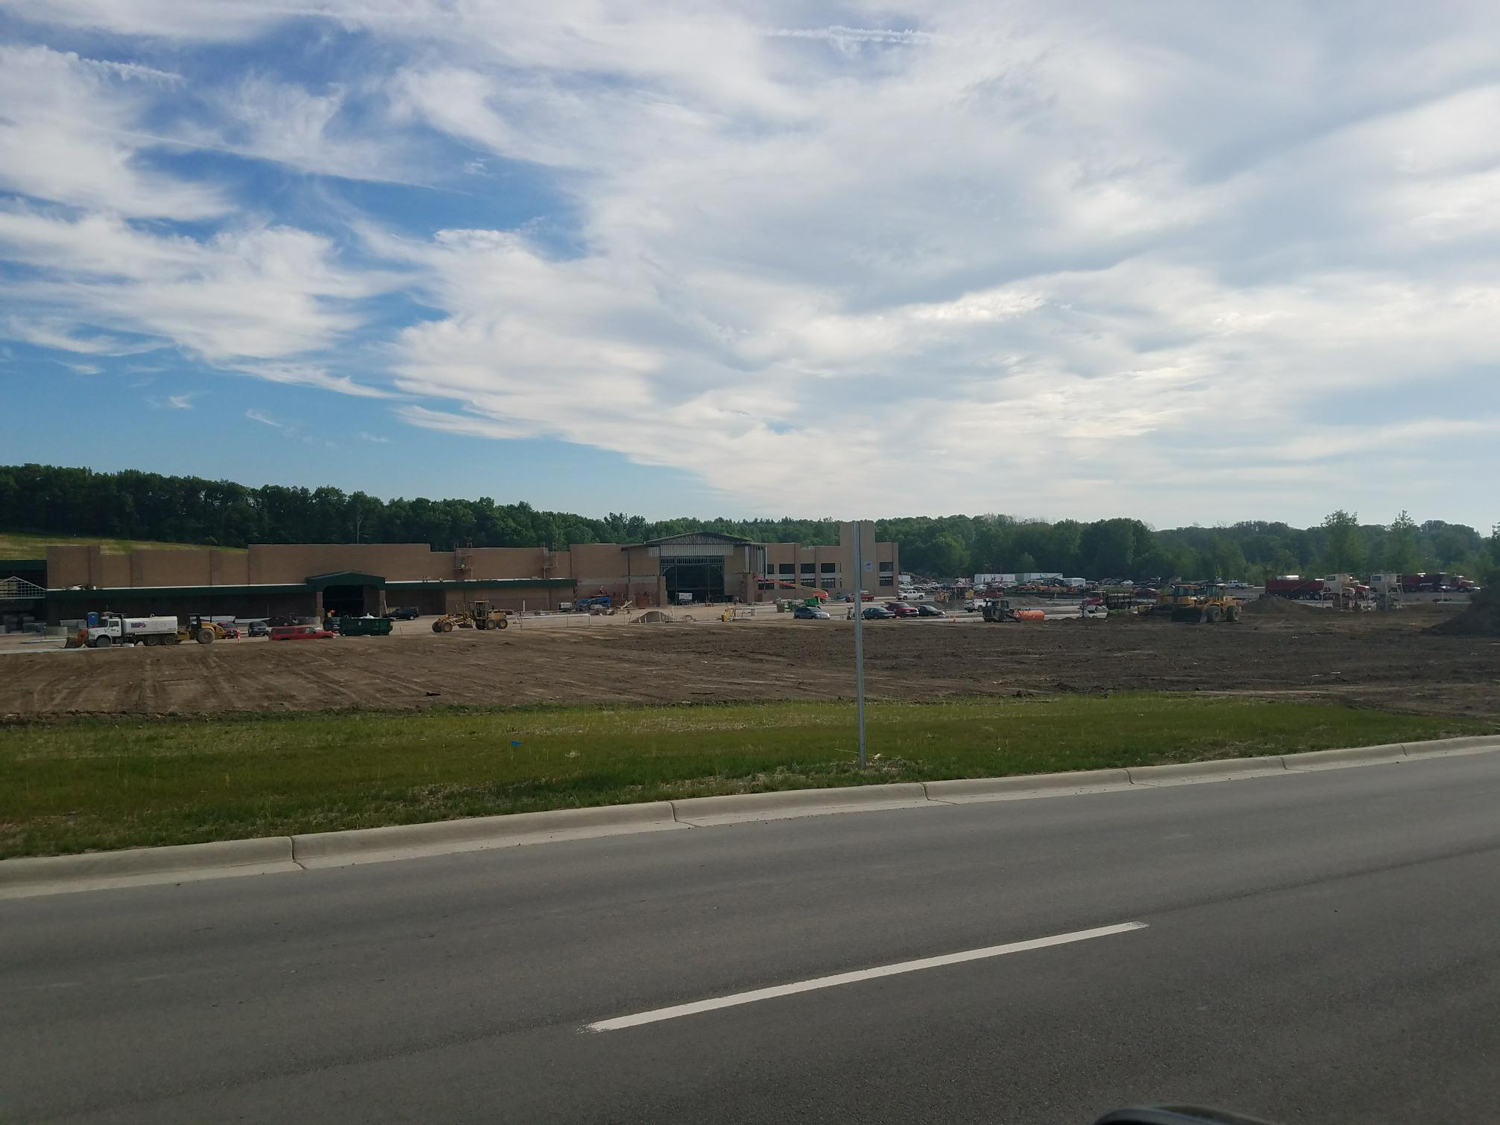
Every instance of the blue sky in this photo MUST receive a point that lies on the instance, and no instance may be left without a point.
(1182, 263)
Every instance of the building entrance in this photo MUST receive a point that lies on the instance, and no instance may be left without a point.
(700, 576)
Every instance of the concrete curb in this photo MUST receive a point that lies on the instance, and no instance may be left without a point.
(181, 863)
(375, 845)
(1472, 744)
(972, 789)
(24, 877)
(1185, 773)
(735, 808)
(1339, 759)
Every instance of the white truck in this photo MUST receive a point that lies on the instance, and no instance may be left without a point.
(116, 630)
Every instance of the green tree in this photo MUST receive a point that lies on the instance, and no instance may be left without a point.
(946, 557)
(1343, 543)
(1401, 553)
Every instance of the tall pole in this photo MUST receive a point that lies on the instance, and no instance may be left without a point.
(859, 635)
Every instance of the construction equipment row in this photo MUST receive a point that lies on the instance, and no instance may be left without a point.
(115, 629)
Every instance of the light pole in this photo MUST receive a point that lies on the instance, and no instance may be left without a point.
(859, 636)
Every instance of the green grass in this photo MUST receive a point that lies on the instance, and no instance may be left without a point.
(21, 545)
(86, 784)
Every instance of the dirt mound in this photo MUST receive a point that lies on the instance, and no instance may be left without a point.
(1276, 607)
(1480, 618)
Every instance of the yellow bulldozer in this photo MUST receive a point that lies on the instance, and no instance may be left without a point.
(480, 615)
(1198, 603)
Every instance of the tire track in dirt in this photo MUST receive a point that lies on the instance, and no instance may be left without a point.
(1372, 659)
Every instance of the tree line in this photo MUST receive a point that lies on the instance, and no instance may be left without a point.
(47, 499)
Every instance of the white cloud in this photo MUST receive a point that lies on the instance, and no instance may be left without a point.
(378, 439)
(265, 292)
(68, 132)
(61, 336)
(265, 119)
(265, 419)
(308, 375)
(965, 251)
(202, 20)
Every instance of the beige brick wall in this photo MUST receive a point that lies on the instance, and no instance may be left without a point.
(170, 567)
(228, 568)
(278, 563)
(69, 566)
(111, 570)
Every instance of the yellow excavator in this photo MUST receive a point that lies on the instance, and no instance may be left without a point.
(481, 615)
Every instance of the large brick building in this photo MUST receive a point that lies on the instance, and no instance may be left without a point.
(307, 579)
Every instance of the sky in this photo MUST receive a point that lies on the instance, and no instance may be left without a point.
(1184, 262)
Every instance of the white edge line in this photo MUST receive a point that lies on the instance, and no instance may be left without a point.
(698, 1006)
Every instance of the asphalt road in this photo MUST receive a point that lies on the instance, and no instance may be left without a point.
(1317, 948)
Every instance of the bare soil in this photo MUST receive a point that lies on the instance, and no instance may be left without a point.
(1387, 660)
(1480, 619)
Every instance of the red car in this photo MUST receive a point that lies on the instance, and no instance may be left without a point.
(300, 633)
(901, 609)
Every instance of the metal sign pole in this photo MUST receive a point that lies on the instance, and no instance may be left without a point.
(859, 636)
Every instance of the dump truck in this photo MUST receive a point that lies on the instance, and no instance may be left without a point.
(1294, 586)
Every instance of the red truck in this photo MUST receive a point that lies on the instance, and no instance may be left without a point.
(1294, 586)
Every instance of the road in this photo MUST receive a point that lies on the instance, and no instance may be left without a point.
(1316, 948)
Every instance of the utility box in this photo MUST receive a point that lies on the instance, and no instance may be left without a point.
(365, 626)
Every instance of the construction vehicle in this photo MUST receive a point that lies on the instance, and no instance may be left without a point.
(1001, 609)
(1198, 602)
(481, 615)
(1295, 586)
(200, 629)
(603, 605)
(117, 629)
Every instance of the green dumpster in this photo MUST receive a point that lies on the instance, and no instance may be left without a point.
(365, 626)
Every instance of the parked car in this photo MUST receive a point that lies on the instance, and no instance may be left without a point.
(259, 629)
(878, 613)
(925, 610)
(406, 613)
(301, 633)
(232, 632)
(901, 609)
(274, 622)
(810, 613)
(862, 597)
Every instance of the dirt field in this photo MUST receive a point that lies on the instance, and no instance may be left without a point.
(1382, 660)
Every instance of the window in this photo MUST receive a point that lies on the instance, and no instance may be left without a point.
(786, 568)
(887, 580)
(887, 568)
(830, 568)
(830, 583)
(767, 585)
(809, 568)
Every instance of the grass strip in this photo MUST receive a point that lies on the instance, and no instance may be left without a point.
(88, 784)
